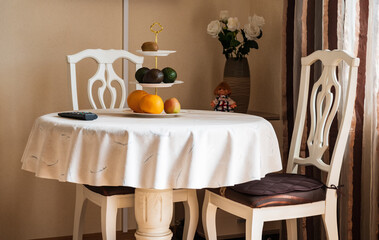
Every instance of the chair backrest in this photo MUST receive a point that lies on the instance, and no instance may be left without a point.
(324, 103)
(104, 74)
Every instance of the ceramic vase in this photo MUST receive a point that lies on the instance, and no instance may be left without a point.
(237, 75)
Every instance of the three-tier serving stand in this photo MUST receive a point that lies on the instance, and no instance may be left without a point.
(156, 54)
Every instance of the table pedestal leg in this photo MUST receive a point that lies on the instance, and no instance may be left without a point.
(153, 212)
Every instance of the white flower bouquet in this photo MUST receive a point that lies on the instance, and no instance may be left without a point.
(227, 30)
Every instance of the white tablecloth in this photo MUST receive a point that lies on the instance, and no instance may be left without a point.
(195, 150)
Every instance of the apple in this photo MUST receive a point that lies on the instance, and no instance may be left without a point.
(172, 105)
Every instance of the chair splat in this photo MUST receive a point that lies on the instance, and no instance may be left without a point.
(324, 102)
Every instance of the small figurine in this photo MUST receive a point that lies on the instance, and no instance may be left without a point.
(223, 102)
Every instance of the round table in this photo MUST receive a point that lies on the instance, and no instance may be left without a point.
(155, 154)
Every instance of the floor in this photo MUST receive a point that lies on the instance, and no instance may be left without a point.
(177, 231)
(130, 236)
(96, 236)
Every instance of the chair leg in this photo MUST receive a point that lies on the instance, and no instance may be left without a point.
(108, 218)
(254, 228)
(80, 209)
(291, 228)
(191, 209)
(209, 218)
(330, 224)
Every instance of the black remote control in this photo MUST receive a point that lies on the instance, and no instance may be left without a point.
(79, 115)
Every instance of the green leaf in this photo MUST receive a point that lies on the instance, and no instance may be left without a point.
(229, 50)
(230, 36)
(244, 50)
(226, 31)
(224, 40)
(244, 35)
(251, 44)
(234, 43)
(260, 35)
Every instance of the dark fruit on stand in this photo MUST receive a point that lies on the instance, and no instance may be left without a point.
(170, 75)
(140, 73)
(153, 76)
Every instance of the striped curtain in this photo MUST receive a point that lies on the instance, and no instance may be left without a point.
(351, 25)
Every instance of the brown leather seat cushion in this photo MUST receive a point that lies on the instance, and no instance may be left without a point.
(277, 183)
(275, 190)
(111, 190)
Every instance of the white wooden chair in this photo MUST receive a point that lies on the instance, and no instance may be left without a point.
(243, 200)
(112, 198)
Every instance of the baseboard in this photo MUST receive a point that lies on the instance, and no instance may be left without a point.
(96, 236)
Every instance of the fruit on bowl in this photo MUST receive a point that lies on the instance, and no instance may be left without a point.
(140, 73)
(151, 104)
(170, 75)
(153, 76)
(149, 46)
(134, 99)
(172, 105)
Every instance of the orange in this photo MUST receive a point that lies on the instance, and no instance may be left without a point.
(134, 98)
(151, 104)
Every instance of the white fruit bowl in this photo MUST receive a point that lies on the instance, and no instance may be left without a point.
(157, 85)
(149, 115)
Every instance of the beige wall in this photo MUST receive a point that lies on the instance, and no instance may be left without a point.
(266, 62)
(265, 67)
(35, 37)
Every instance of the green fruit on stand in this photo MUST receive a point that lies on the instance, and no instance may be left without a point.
(140, 73)
(170, 75)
